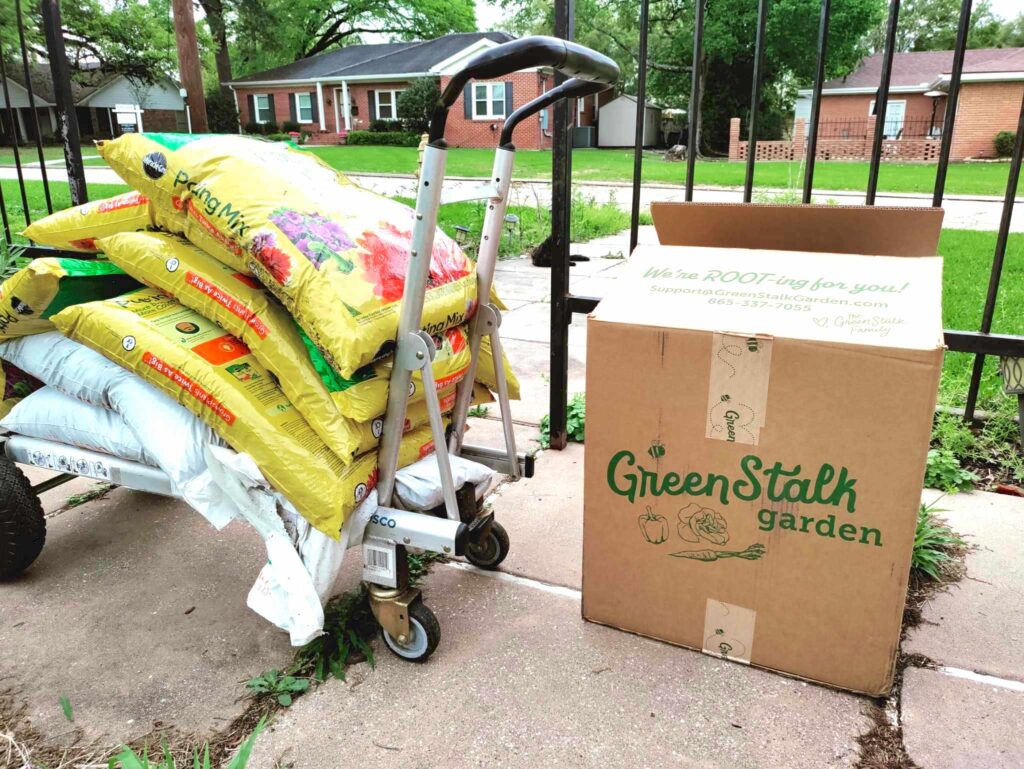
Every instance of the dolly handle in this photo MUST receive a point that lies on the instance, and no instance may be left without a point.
(573, 60)
(570, 89)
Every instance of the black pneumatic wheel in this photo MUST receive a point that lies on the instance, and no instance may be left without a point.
(491, 551)
(22, 525)
(424, 635)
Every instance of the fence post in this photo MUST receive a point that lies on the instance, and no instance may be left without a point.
(799, 139)
(869, 132)
(734, 139)
(68, 120)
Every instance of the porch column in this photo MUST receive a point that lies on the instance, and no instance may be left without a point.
(320, 105)
(21, 122)
(53, 120)
(347, 107)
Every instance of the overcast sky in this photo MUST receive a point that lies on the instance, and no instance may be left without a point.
(489, 15)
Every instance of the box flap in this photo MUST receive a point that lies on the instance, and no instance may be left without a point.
(832, 229)
(879, 301)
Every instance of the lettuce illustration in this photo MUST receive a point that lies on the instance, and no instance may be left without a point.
(697, 523)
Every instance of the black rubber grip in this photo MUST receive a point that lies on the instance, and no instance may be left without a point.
(570, 89)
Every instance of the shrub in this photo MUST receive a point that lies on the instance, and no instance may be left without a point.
(416, 103)
(252, 127)
(221, 113)
(385, 126)
(290, 125)
(388, 138)
(280, 137)
(1004, 143)
(944, 472)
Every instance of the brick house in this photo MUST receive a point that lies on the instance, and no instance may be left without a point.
(991, 88)
(333, 93)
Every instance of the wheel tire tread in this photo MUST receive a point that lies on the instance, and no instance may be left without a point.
(22, 523)
(504, 545)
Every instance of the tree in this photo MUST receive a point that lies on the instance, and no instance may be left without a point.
(727, 64)
(931, 25)
(416, 103)
(269, 33)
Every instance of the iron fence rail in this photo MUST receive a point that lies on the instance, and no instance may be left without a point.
(980, 343)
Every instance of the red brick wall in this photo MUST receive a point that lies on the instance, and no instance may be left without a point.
(855, 108)
(984, 110)
(466, 132)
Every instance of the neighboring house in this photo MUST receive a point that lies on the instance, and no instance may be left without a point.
(346, 89)
(990, 96)
(95, 94)
(618, 123)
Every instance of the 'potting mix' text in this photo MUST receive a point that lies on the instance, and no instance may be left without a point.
(757, 480)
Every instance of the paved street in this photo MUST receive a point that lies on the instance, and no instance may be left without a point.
(968, 212)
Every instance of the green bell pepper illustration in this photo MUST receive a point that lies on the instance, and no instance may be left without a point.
(654, 527)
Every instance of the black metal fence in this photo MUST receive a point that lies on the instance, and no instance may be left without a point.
(564, 304)
(21, 129)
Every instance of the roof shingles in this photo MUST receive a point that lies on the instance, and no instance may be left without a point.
(920, 68)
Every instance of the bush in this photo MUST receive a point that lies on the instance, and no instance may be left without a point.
(385, 126)
(1004, 142)
(261, 129)
(416, 104)
(221, 113)
(290, 125)
(387, 138)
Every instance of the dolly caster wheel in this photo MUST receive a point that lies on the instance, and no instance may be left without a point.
(489, 552)
(424, 634)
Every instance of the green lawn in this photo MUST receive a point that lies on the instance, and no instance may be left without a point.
(968, 257)
(29, 154)
(617, 165)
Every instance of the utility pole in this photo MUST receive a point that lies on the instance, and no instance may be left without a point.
(188, 63)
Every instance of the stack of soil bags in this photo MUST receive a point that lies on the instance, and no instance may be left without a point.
(260, 289)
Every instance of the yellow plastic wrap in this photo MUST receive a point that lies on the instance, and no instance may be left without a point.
(215, 376)
(334, 254)
(46, 286)
(240, 306)
(78, 228)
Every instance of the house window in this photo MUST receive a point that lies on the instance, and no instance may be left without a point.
(894, 115)
(488, 100)
(304, 107)
(261, 102)
(387, 104)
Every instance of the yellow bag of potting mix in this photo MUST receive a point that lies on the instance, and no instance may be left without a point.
(239, 305)
(215, 376)
(44, 287)
(15, 384)
(334, 254)
(78, 228)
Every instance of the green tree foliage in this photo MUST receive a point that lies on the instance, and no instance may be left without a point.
(269, 33)
(611, 26)
(133, 37)
(416, 103)
(930, 25)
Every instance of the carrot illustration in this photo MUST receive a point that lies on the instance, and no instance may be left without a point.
(752, 553)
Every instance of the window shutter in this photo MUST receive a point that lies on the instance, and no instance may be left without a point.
(508, 98)
(316, 107)
(292, 111)
(467, 98)
(371, 100)
(273, 109)
(250, 101)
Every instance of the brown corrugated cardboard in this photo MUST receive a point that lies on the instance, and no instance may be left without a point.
(757, 428)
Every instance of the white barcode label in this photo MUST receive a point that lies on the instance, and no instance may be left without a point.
(379, 564)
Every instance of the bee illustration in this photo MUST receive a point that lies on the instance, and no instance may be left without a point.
(657, 449)
(752, 344)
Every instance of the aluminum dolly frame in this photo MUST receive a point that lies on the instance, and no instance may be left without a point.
(410, 628)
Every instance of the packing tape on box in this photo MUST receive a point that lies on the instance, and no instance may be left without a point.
(738, 387)
(728, 631)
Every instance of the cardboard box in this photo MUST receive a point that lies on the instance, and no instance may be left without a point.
(758, 424)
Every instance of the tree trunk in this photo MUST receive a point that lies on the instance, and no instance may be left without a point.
(214, 10)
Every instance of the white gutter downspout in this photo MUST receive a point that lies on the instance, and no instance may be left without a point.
(348, 106)
(320, 105)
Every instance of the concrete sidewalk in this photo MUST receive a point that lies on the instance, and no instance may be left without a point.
(136, 612)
